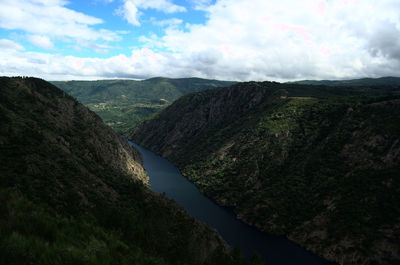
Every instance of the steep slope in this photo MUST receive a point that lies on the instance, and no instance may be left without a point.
(122, 104)
(74, 192)
(320, 165)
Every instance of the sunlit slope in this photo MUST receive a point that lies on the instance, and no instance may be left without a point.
(122, 104)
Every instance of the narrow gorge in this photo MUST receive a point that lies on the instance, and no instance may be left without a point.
(317, 164)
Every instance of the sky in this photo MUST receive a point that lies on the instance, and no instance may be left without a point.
(242, 40)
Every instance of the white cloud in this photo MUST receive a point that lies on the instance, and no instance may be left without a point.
(293, 39)
(98, 48)
(6, 44)
(130, 10)
(152, 41)
(41, 41)
(248, 40)
(51, 18)
(201, 4)
(172, 22)
(161, 5)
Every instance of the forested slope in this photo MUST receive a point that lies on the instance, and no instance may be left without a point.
(72, 191)
(122, 104)
(318, 164)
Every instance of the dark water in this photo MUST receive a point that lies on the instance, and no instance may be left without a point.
(275, 250)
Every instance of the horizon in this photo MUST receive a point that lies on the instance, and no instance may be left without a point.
(60, 40)
(132, 79)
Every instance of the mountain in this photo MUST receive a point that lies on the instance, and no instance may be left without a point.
(122, 104)
(388, 81)
(318, 164)
(72, 191)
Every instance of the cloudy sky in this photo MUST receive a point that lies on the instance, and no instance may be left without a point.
(221, 39)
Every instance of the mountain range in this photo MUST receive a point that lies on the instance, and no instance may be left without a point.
(387, 81)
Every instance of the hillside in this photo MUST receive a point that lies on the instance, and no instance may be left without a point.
(74, 192)
(318, 164)
(388, 81)
(122, 104)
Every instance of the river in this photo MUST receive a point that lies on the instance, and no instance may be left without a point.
(275, 250)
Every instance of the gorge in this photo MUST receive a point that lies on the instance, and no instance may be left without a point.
(275, 250)
(318, 164)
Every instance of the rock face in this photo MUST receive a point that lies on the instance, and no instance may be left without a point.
(74, 192)
(317, 164)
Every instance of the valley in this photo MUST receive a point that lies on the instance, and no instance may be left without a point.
(199, 132)
(165, 179)
(123, 104)
(313, 163)
(309, 162)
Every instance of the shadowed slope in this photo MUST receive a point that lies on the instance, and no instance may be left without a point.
(74, 192)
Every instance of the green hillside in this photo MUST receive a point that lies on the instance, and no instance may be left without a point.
(388, 81)
(318, 164)
(122, 104)
(72, 191)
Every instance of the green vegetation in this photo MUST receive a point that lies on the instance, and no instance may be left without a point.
(73, 192)
(32, 235)
(318, 164)
(387, 82)
(122, 104)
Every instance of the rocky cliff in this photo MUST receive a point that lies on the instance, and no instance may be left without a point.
(317, 164)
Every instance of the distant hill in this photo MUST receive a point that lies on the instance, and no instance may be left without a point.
(72, 191)
(122, 104)
(382, 81)
(318, 164)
